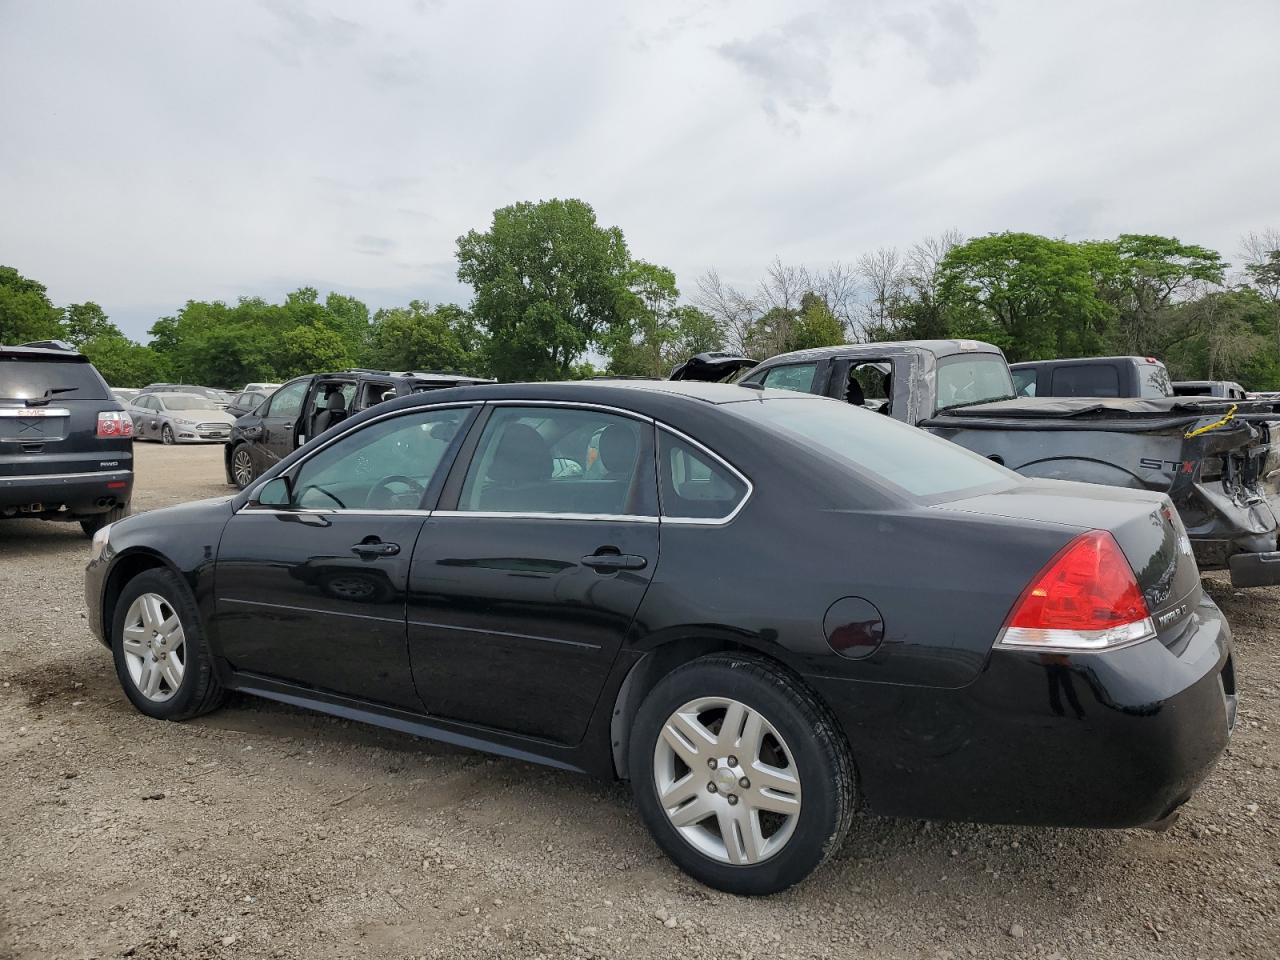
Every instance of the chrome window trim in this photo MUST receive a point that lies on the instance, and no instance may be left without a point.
(276, 510)
(581, 405)
(704, 521)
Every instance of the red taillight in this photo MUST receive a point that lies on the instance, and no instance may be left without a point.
(114, 423)
(1087, 598)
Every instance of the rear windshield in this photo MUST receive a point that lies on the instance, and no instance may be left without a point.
(56, 379)
(966, 379)
(909, 460)
(1087, 380)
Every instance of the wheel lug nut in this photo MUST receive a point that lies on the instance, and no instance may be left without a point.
(733, 761)
(711, 787)
(711, 762)
(733, 799)
(744, 783)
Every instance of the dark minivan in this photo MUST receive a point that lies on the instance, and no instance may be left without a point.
(66, 444)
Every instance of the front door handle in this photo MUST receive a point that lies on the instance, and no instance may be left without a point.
(608, 562)
(372, 547)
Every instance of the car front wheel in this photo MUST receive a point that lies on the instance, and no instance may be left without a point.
(242, 466)
(166, 435)
(160, 653)
(741, 774)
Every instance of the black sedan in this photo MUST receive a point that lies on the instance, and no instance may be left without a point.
(762, 608)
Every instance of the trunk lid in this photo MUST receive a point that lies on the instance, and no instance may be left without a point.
(1145, 525)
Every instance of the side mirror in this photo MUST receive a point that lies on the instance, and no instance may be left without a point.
(276, 492)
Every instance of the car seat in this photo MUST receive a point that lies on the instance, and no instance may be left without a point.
(853, 393)
(617, 448)
(335, 411)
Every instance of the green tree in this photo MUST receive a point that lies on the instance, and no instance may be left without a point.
(122, 362)
(418, 337)
(549, 281)
(815, 325)
(25, 311)
(1035, 297)
(1143, 275)
(87, 321)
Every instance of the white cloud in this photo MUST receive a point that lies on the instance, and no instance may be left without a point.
(153, 152)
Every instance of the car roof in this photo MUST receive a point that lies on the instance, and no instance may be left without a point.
(42, 353)
(936, 347)
(1068, 361)
(170, 394)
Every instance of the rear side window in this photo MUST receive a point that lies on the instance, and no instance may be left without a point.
(57, 379)
(908, 459)
(1024, 382)
(694, 485)
(1153, 380)
(561, 460)
(794, 376)
(1087, 380)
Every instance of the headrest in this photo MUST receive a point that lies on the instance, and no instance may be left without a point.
(522, 456)
(617, 448)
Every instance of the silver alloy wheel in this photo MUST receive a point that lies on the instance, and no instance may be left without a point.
(242, 466)
(166, 434)
(727, 780)
(155, 647)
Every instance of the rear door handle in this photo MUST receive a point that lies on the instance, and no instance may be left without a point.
(601, 562)
(375, 548)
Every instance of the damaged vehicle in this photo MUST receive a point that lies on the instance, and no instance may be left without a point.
(1214, 458)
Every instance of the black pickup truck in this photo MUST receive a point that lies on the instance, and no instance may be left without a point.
(1215, 459)
(66, 444)
(1092, 377)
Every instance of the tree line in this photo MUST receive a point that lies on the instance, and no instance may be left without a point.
(557, 295)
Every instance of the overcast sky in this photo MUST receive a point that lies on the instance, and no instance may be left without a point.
(152, 153)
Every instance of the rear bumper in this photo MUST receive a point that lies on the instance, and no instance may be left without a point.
(1116, 739)
(64, 494)
(1254, 569)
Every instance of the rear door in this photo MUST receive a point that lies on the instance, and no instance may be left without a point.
(525, 582)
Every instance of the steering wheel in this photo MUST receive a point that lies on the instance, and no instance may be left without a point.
(382, 496)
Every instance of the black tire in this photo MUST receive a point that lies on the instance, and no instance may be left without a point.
(821, 757)
(237, 451)
(91, 525)
(166, 436)
(199, 692)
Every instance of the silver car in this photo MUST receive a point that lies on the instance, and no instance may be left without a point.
(179, 418)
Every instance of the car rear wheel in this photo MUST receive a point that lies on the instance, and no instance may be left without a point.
(166, 435)
(160, 653)
(91, 525)
(741, 774)
(241, 466)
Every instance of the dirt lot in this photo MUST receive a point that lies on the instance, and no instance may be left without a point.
(262, 830)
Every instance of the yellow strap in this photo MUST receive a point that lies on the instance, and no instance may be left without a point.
(1212, 426)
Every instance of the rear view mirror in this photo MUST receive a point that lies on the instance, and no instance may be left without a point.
(276, 492)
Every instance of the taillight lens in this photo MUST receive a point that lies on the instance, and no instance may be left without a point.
(114, 423)
(1087, 598)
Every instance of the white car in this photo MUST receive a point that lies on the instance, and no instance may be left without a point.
(179, 418)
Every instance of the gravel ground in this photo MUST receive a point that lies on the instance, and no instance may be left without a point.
(265, 831)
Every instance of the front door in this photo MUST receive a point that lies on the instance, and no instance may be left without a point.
(522, 592)
(310, 583)
(280, 423)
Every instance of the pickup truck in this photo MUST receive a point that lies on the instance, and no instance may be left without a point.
(1213, 458)
(1209, 388)
(1092, 377)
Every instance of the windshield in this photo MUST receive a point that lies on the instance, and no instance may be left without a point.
(966, 379)
(178, 402)
(910, 460)
(56, 379)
